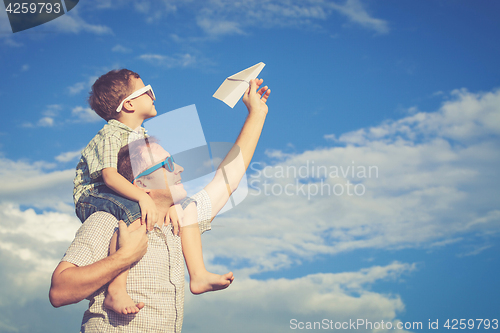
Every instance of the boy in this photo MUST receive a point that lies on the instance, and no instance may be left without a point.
(121, 98)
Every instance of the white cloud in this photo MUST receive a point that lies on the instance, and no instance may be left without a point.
(81, 86)
(34, 184)
(76, 88)
(52, 110)
(465, 118)
(73, 23)
(433, 180)
(216, 27)
(338, 297)
(121, 49)
(142, 7)
(356, 12)
(228, 17)
(48, 117)
(46, 122)
(222, 17)
(68, 156)
(85, 114)
(42, 122)
(10, 42)
(32, 242)
(51, 114)
(331, 137)
(50, 226)
(476, 251)
(178, 60)
(104, 4)
(31, 245)
(171, 6)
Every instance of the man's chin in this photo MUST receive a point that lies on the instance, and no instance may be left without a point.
(180, 197)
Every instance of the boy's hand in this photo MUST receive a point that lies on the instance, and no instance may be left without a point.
(255, 100)
(149, 213)
(175, 215)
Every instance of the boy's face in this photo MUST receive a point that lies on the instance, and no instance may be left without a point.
(143, 105)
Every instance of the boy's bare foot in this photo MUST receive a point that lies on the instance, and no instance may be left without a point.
(121, 303)
(202, 283)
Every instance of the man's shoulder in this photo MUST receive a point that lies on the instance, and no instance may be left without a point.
(102, 218)
(99, 223)
(91, 242)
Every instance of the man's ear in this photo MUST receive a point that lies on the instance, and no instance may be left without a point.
(141, 185)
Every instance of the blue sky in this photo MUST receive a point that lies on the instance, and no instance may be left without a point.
(409, 88)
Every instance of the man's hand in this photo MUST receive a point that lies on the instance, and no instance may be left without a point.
(175, 215)
(132, 245)
(255, 100)
(72, 283)
(149, 213)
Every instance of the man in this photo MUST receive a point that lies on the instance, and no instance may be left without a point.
(159, 275)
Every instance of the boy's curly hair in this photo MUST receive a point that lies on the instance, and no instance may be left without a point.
(109, 90)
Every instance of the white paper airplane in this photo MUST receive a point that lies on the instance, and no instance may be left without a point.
(231, 90)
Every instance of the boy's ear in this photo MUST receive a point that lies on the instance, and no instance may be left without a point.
(128, 106)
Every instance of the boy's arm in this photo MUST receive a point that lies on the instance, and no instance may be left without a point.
(175, 215)
(236, 162)
(123, 187)
(71, 283)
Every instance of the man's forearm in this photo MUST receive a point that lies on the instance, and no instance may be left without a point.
(249, 136)
(71, 283)
(235, 164)
(255, 99)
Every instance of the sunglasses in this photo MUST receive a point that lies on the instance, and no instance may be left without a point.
(144, 90)
(168, 163)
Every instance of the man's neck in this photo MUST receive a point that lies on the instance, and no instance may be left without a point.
(162, 205)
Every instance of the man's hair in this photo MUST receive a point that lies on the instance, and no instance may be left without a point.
(131, 158)
(109, 90)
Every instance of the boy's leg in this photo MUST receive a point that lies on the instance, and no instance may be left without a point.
(117, 298)
(200, 279)
(104, 199)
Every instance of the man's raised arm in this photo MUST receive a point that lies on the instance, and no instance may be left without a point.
(71, 283)
(235, 164)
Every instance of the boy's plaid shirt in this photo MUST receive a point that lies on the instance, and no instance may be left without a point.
(102, 152)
